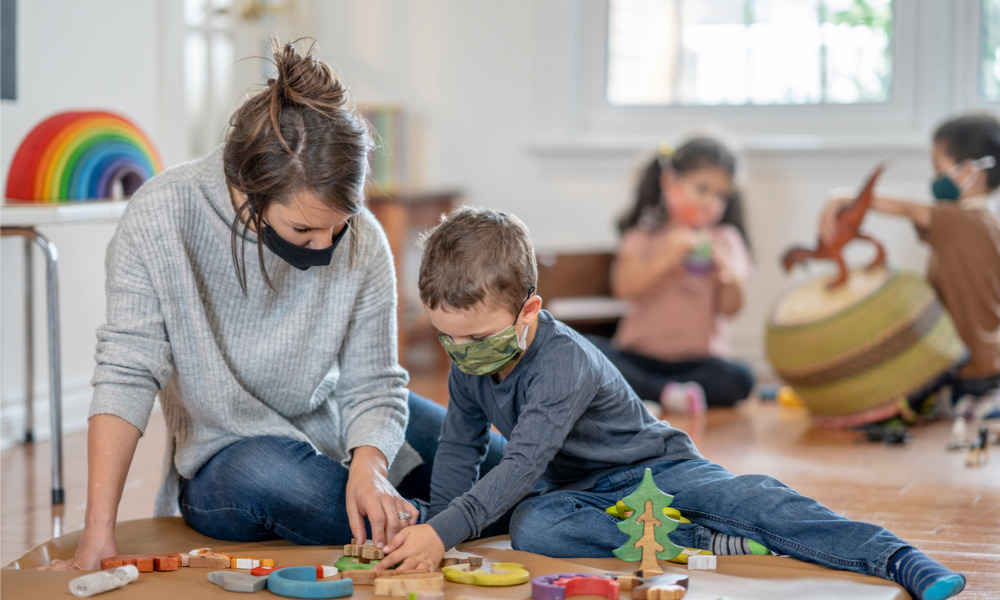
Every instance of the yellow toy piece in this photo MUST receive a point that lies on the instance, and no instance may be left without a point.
(682, 558)
(502, 574)
(788, 397)
(623, 512)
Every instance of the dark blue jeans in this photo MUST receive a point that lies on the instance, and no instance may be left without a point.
(270, 487)
(725, 382)
(574, 523)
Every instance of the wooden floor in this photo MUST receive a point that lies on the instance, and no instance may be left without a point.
(920, 491)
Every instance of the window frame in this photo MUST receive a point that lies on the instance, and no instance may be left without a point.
(927, 44)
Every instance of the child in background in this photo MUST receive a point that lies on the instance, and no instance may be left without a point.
(682, 263)
(562, 406)
(963, 232)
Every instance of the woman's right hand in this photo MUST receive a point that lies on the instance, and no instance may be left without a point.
(94, 545)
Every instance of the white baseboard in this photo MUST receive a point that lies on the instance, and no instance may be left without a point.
(75, 406)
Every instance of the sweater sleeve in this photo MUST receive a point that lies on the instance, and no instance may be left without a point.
(550, 411)
(371, 393)
(133, 352)
(465, 437)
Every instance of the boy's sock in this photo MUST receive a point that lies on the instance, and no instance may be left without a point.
(683, 398)
(924, 577)
(723, 545)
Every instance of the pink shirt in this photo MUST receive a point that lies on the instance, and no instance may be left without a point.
(683, 315)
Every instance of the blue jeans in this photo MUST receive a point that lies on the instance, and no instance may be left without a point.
(270, 487)
(725, 382)
(565, 523)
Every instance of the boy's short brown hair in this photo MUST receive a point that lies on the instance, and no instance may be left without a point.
(477, 255)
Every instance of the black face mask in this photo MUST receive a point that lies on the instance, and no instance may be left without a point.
(298, 256)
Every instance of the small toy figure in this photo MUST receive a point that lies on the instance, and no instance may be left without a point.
(979, 452)
(848, 228)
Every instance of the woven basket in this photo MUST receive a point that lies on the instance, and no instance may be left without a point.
(857, 353)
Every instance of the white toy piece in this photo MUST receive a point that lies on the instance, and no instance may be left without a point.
(701, 562)
(103, 581)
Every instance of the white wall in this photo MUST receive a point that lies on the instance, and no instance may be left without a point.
(95, 54)
(485, 84)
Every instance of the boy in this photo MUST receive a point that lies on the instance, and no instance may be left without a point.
(574, 425)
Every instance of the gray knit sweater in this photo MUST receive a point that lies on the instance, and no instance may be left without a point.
(315, 360)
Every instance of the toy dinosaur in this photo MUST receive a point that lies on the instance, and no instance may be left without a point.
(848, 221)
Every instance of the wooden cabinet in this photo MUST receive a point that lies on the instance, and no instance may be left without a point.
(404, 214)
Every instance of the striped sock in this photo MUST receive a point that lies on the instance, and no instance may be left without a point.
(923, 577)
(723, 545)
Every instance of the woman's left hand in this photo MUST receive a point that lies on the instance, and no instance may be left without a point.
(369, 494)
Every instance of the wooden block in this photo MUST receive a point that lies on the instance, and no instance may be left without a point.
(401, 585)
(626, 582)
(398, 572)
(209, 562)
(237, 582)
(360, 576)
(670, 592)
(243, 562)
(649, 589)
(701, 562)
(145, 563)
(429, 595)
(370, 553)
(450, 561)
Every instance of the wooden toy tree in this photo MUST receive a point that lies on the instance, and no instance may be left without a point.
(648, 539)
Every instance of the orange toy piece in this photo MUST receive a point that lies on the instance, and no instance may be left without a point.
(145, 563)
(848, 221)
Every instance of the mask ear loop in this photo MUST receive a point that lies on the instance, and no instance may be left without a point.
(522, 339)
(984, 163)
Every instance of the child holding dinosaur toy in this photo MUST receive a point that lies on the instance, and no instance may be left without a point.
(682, 263)
(962, 229)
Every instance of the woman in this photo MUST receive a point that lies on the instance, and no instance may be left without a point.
(276, 367)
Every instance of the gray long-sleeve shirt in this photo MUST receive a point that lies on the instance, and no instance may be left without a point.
(313, 360)
(569, 418)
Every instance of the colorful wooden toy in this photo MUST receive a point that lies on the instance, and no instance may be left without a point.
(232, 581)
(145, 563)
(401, 585)
(501, 574)
(560, 586)
(211, 560)
(647, 535)
(249, 562)
(365, 553)
(322, 571)
(668, 586)
(301, 582)
(701, 563)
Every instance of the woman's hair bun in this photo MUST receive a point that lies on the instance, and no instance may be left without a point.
(304, 79)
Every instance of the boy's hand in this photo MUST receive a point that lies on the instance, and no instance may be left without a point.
(417, 547)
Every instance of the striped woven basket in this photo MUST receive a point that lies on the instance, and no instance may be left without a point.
(857, 353)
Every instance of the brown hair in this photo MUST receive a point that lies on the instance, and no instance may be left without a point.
(970, 137)
(301, 132)
(649, 210)
(476, 255)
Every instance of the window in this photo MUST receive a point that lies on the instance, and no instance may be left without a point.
(989, 74)
(749, 52)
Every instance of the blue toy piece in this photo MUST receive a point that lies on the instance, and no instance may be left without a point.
(300, 582)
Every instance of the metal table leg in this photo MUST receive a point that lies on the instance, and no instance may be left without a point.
(55, 369)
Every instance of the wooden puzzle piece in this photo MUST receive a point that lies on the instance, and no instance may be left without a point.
(648, 535)
(501, 574)
(700, 562)
(322, 571)
(232, 581)
(145, 563)
(560, 586)
(301, 582)
(662, 587)
(403, 584)
(212, 560)
(250, 562)
(450, 561)
(365, 553)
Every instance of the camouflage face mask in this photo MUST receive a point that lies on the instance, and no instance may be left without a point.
(488, 355)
